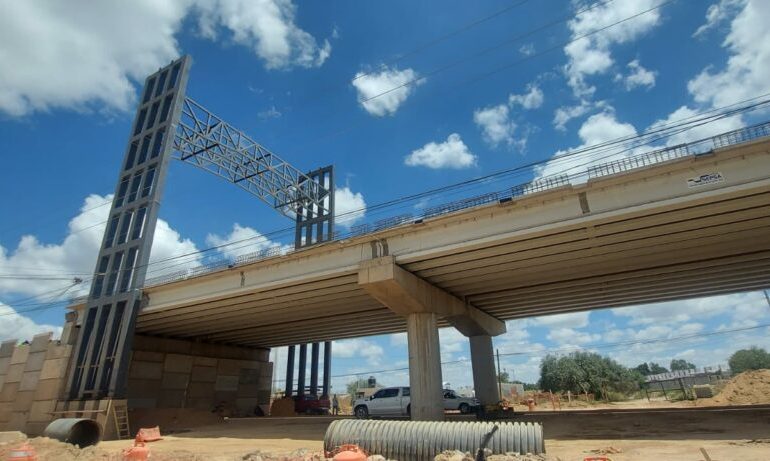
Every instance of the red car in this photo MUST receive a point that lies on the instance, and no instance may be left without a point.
(311, 405)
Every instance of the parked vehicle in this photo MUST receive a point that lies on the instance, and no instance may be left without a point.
(452, 401)
(388, 401)
(394, 402)
(311, 405)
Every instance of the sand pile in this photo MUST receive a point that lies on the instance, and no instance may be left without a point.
(457, 455)
(749, 387)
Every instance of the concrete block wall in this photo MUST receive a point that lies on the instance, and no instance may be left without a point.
(170, 373)
(32, 379)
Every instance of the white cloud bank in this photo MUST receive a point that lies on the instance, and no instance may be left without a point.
(76, 254)
(452, 153)
(349, 206)
(592, 55)
(81, 54)
(14, 325)
(382, 93)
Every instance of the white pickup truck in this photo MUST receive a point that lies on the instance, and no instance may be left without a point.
(394, 402)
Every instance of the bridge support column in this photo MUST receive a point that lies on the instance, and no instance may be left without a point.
(302, 369)
(484, 376)
(422, 304)
(289, 386)
(327, 369)
(314, 351)
(426, 399)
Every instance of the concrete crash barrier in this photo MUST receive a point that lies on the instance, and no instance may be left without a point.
(423, 440)
(82, 432)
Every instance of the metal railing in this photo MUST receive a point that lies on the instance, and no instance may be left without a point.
(533, 187)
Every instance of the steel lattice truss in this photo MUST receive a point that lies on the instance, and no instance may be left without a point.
(210, 143)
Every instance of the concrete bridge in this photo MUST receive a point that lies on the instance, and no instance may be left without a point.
(692, 226)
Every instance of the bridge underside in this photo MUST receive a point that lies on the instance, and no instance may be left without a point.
(707, 246)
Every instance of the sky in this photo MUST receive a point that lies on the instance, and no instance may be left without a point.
(401, 97)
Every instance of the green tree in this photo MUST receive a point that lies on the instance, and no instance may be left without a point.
(681, 364)
(504, 377)
(586, 372)
(355, 384)
(753, 358)
(652, 368)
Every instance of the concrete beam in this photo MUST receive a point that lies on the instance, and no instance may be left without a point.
(404, 293)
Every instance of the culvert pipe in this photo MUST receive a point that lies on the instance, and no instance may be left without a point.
(82, 432)
(423, 440)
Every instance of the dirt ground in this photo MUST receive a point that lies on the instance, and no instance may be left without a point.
(672, 436)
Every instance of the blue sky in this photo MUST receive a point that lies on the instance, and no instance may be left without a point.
(400, 96)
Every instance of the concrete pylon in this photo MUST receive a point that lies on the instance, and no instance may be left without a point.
(425, 381)
(422, 304)
(484, 376)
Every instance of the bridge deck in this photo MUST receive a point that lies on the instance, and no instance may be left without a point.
(637, 237)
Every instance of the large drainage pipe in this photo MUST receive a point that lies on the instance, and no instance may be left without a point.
(423, 440)
(82, 432)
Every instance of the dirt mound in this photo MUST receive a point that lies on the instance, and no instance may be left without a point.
(172, 420)
(749, 387)
(282, 407)
(457, 455)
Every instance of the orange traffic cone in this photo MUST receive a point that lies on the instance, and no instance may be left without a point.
(25, 452)
(139, 452)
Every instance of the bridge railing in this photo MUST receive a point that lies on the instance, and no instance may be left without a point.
(532, 187)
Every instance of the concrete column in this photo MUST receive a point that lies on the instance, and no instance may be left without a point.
(289, 372)
(484, 376)
(301, 371)
(427, 402)
(327, 368)
(314, 350)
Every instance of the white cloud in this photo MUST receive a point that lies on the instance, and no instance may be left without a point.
(572, 336)
(698, 132)
(352, 348)
(241, 240)
(16, 326)
(527, 49)
(452, 153)
(748, 67)
(741, 305)
(349, 206)
(566, 113)
(638, 76)
(569, 320)
(597, 129)
(382, 93)
(496, 126)
(82, 54)
(717, 14)
(76, 254)
(532, 99)
(591, 55)
(269, 113)
(266, 26)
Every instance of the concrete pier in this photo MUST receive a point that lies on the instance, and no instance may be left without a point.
(484, 376)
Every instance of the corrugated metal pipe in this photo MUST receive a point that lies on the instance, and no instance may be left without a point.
(82, 432)
(423, 440)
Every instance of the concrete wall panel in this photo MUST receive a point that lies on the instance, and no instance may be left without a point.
(203, 374)
(175, 381)
(177, 363)
(146, 370)
(29, 381)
